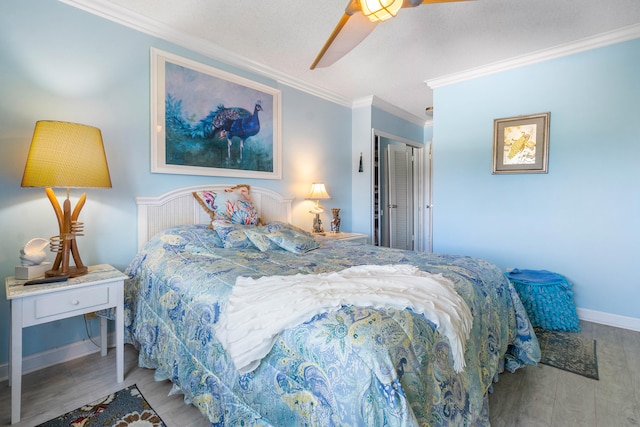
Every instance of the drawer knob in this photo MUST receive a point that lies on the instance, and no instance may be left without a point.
(75, 302)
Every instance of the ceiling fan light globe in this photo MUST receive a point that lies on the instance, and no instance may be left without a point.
(380, 10)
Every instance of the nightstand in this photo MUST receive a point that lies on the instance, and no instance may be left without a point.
(356, 237)
(102, 287)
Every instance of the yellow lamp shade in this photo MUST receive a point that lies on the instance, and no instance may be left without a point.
(66, 155)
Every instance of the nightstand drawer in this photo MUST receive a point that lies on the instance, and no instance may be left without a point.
(67, 301)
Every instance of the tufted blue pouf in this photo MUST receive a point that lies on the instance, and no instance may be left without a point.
(548, 299)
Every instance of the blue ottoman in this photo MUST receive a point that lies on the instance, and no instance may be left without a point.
(548, 299)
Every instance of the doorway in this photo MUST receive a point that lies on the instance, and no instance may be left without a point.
(399, 193)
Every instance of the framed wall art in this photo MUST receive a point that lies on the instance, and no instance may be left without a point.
(521, 144)
(206, 121)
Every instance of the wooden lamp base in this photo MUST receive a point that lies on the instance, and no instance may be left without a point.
(71, 272)
(65, 244)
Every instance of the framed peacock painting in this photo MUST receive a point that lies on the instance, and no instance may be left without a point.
(206, 121)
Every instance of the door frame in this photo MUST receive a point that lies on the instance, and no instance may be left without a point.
(421, 188)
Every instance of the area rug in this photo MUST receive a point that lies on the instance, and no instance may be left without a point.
(568, 351)
(123, 408)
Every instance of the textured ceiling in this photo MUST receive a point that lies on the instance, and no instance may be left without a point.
(393, 63)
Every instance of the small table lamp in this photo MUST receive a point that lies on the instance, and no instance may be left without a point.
(66, 155)
(317, 192)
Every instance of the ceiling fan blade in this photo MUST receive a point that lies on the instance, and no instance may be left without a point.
(350, 31)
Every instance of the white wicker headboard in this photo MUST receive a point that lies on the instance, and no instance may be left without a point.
(179, 207)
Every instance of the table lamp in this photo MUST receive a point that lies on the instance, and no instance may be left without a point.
(67, 155)
(317, 192)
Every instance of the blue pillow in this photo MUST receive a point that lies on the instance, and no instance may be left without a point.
(258, 236)
(232, 235)
(295, 241)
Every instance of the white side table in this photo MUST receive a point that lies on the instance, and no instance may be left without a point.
(102, 287)
(358, 237)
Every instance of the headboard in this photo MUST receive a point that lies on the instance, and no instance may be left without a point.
(178, 207)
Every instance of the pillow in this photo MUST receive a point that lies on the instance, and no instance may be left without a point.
(232, 235)
(233, 205)
(294, 241)
(258, 236)
(279, 225)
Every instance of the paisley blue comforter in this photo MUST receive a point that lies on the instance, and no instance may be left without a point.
(356, 366)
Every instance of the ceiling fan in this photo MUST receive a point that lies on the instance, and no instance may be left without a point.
(359, 19)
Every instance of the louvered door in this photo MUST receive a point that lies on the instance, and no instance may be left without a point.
(400, 196)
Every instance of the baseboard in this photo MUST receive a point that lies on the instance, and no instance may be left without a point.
(57, 355)
(623, 322)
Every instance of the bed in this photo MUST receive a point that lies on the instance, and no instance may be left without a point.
(355, 364)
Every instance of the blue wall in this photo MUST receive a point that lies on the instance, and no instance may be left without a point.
(60, 63)
(582, 219)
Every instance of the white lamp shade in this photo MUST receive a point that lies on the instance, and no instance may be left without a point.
(318, 192)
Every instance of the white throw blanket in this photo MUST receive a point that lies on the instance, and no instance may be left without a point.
(259, 309)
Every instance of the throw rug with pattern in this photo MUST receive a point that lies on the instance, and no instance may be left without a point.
(123, 408)
(568, 351)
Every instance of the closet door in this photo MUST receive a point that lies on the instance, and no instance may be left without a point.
(400, 203)
(400, 189)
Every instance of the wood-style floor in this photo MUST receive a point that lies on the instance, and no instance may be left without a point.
(535, 396)
(545, 396)
(56, 390)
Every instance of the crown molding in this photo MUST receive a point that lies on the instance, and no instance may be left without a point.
(600, 40)
(374, 101)
(365, 101)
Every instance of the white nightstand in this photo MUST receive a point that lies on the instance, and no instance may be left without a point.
(357, 237)
(102, 287)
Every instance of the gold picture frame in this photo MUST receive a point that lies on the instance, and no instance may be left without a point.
(521, 144)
